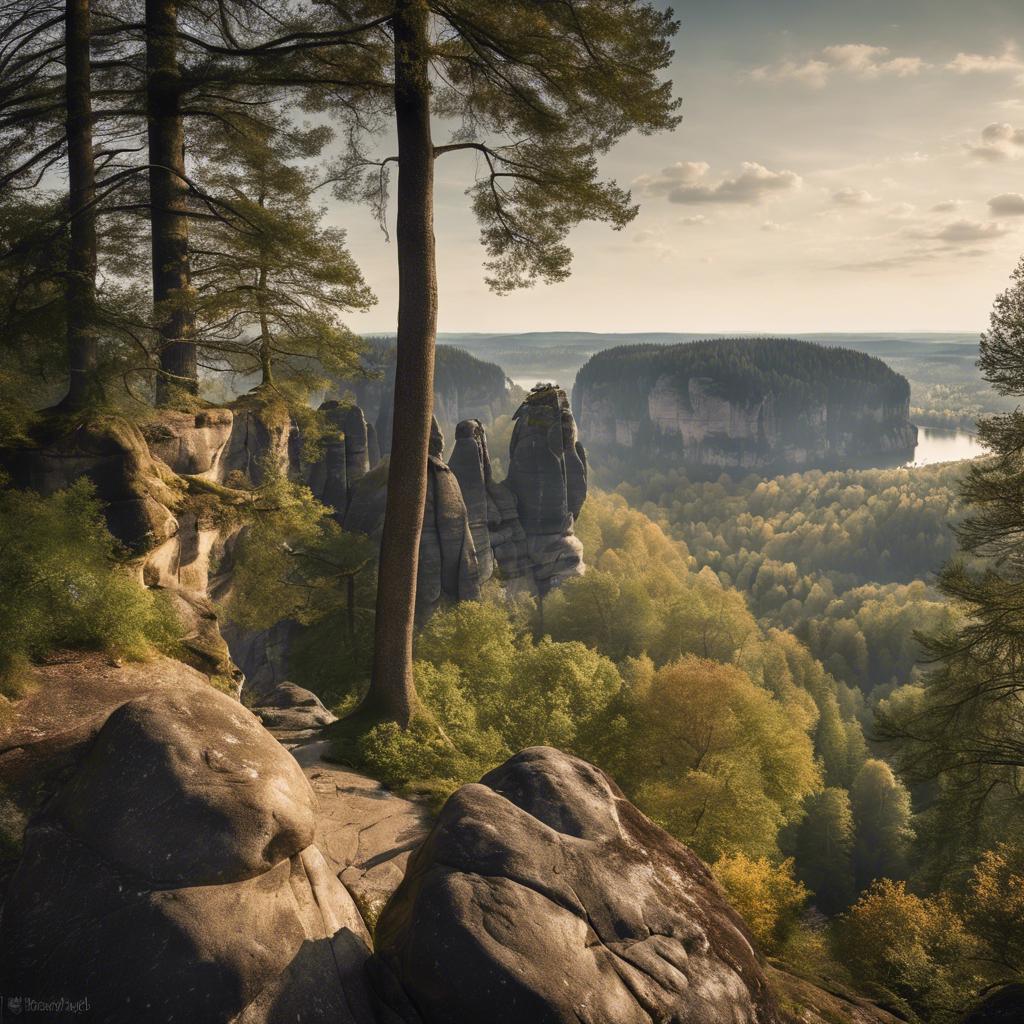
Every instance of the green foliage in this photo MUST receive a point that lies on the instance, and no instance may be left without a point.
(822, 844)
(271, 280)
(486, 690)
(912, 951)
(293, 562)
(994, 908)
(714, 758)
(962, 729)
(63, 584)
(882, 815)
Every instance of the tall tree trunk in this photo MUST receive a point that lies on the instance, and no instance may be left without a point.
(392, 691)
(266, 356)
(81, 267)
(168, 197)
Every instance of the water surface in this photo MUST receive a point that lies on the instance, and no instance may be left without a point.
(936, 444)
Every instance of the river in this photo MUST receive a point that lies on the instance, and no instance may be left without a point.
(936, 444)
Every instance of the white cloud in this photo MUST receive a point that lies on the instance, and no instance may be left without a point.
(902, 210)
(853, 197)
(860, 60)
(1007, 204)
(684, 183)
(1007, 62)
(693, 221)
(999, 141)
(948, 206)
(770, 225)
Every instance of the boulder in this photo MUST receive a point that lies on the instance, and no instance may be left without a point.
(548, 476)
(1004, 1005)
(174, 879)
(291, 709)
(543, 896)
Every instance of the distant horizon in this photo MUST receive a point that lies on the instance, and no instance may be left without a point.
(717, 333)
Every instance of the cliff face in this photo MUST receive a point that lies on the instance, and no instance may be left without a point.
(749, 404)
(464, 388)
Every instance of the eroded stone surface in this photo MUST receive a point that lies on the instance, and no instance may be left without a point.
(365, 831)
(174, 878)
(543, 895)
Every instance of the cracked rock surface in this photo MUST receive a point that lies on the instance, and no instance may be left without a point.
(543, 895)
(365, 831)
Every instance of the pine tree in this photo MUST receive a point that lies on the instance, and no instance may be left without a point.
(271, 281)
(965, 727)
(540, 92)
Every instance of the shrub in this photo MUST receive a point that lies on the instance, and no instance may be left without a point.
(63, 583)
(767, 896)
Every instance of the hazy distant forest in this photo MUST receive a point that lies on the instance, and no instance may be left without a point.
(813, 679)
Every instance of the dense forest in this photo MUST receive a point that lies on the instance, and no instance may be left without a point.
(811, 680)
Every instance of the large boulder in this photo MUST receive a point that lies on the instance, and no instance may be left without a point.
(139, 492)
(174, 878)
(293, 711)
(543, 896)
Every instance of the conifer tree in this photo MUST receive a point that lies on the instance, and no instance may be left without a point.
(271, 281)
(539, 92)
(965, 727)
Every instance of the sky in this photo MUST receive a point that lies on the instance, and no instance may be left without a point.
(842, 165)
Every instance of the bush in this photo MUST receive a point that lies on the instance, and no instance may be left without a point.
(767, 896)
(63, 584)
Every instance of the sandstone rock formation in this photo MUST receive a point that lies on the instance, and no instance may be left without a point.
(748, 403)
(448, 562)
(543, 895)
(548, 476)
(464, 387)
(174, 877)
(292, 712)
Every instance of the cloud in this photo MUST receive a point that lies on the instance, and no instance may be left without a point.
(999, 141)
(853, 197)
(902, 210)
(684, 183)
(963, 232)
(859, 60)
(684, 172)
(1007, 204)
(1007, 62)
(948, 206)
(693, 221)
(771, 225)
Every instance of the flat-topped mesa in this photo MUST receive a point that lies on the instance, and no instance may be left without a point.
(746, 403)
(548, 476)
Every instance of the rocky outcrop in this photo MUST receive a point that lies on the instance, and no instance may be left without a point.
(1005, 1005)
(292, 712)
(447, 560)
(543, 895)
(745, 404)
(548, 476)
(464, 388)
(365, 831)
(174, 877)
